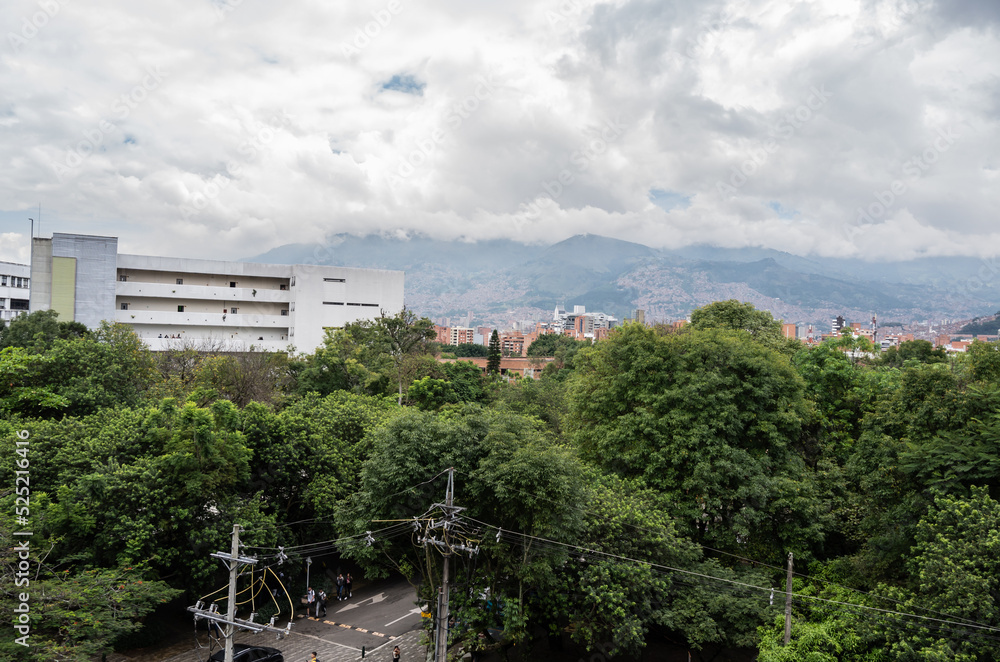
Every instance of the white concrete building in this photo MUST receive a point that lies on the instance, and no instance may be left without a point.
(205, 304)
(14, 284)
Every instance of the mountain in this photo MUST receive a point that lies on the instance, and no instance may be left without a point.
(501, 281)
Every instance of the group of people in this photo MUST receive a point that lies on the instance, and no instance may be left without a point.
(176, 335)
(317, 601)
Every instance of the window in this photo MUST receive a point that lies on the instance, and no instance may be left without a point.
(124, 306)
(233, 310)
(3, 280)
(180, 309)
(232, 283)
(180, 281)
(17, 282)
(284, 313)
(123, 278)
(333, 303)
(282, 287)
(334, 280)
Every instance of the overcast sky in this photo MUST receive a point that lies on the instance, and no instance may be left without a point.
(228, 127)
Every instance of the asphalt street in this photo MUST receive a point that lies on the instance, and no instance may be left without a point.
(378, 617)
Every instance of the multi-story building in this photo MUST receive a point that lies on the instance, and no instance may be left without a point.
(461, 335)
(211, 304)
(14, 288)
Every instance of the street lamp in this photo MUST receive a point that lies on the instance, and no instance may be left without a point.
(309, 562)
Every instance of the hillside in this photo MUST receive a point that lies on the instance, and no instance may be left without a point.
(501, 281)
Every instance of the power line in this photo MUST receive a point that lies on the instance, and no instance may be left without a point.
(737, 556)
(553, 544)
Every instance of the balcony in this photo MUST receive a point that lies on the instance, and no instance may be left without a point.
(228, 321)
(210, 344)
(138, 290)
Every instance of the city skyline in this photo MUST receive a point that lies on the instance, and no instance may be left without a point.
(224, 129)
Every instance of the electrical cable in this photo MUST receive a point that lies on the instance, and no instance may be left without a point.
(555, 544)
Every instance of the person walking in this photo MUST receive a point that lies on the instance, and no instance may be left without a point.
(321, 602)
(340, 586)
(314, 658)
(349, 583)
(310, 599)
(395, 654)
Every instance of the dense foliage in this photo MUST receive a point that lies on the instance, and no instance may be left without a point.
(647, 487)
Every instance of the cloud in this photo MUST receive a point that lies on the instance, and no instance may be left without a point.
(225, 128)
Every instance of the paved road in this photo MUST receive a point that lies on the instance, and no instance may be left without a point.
(378, 617)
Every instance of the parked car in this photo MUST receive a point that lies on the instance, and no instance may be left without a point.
(245, 653)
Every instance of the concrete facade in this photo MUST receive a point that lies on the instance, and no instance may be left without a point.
(206, 304)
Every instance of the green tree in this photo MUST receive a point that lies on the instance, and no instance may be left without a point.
(469, 350)
(983, 359)
(494, 355)
(707, 417)
(35, 331)
(955, 570)
(921, 351)
(737, 316)
(508, 473)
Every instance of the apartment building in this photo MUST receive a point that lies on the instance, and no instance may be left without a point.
(206, 304)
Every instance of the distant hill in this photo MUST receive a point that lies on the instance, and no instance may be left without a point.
(984, 326)
(501, 281)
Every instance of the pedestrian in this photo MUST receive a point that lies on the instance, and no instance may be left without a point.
(321, 602)
(349, 583)
(395, 654)
(340, 586)
(310, 599)
(314, 658)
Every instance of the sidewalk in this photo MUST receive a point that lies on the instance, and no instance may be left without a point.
(297, 647)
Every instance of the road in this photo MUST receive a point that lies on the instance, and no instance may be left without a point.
(379, 616)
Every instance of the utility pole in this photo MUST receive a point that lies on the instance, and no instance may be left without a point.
(788, 601)
(233, 559)
(234, 556)
(447, 548)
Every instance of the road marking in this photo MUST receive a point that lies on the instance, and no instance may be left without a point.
(406, 615)
(374, 600)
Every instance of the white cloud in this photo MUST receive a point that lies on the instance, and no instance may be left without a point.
(229, 127)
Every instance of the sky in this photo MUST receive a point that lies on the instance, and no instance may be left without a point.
(225, 128)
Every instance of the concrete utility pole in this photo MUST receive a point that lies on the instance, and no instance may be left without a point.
(788, 601)
(234, 556)
(442, 641)
(233, 559)
(447, 548)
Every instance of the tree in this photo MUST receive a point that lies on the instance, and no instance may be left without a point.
(245, 377)
(404, 334)
(955, 570)
(35, 331)
(921, 351)
(737, 316)
(509, 474)
(469, 350)
(708, 417)
(494, 355)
